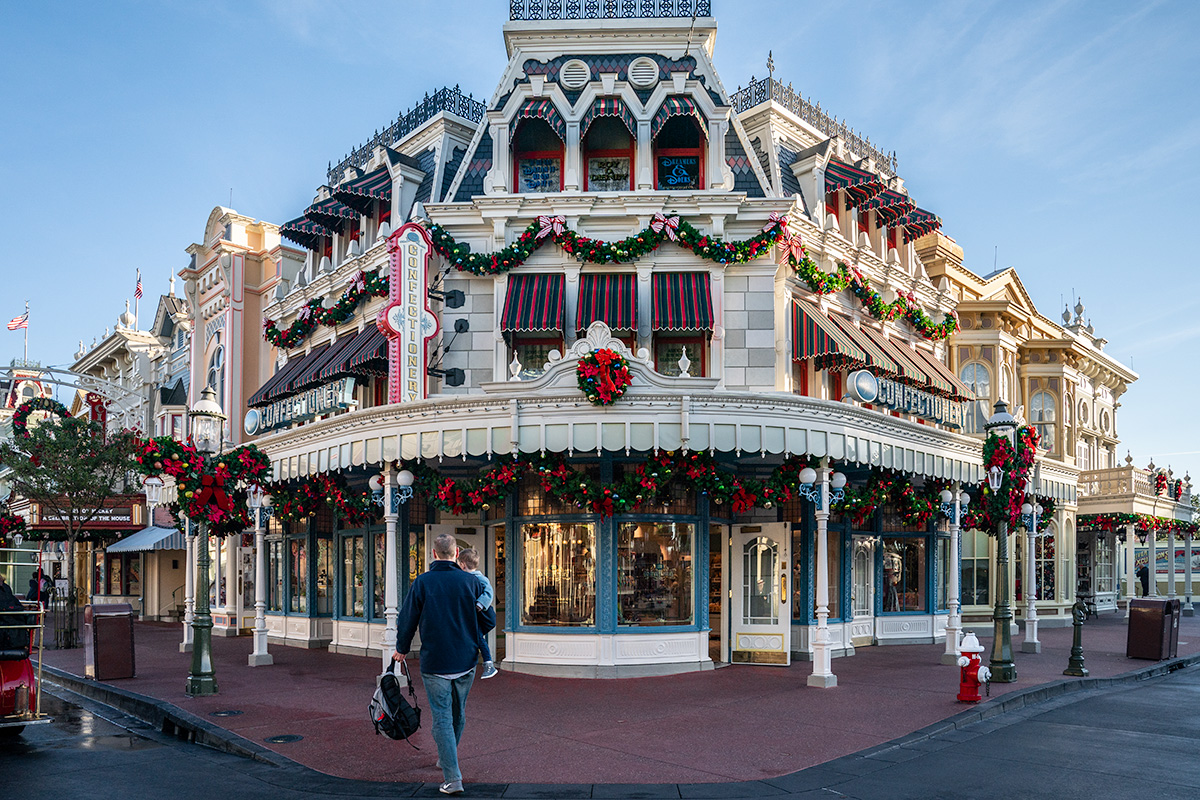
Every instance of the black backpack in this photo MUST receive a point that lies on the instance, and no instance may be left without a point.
(391, 713)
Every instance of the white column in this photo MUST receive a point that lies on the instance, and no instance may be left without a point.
(954, 624)
(391, 600)
(1130, 569)
(822, 675)
(260, 657)
(1171, 563)
(1031, 643)
(189, 590)
(1152, 561)
(1188, 610)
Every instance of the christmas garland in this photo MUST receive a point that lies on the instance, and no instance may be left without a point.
(296, 502)
(20, 420)
(1160, 483)
(1143, 523)
(596, 251)
(313, 313)
(603, 376)
(10, 525)
(904, 306)
(1178, 489)
(1016, 463)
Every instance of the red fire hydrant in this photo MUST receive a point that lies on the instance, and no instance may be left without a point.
(973, 673)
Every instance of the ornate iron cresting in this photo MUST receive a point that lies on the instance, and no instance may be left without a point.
(444, 99)
(532, 10)
(760, 91)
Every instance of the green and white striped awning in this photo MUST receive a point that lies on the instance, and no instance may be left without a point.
(682, 301)
(534, 303)
(816, 336)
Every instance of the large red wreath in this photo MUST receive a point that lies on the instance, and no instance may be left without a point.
(603, 376)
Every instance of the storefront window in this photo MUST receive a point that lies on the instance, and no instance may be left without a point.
(654, 573)
(670, 349)
(760, 582)
(609, 155)
(380, 604)
(325, 573)
(558, 581)
(976, 568)
(904, 574)
(298, 576)
(1043, 566)
(416, 554)
(353, 576)
(1104, 564)
(275, 572)
(799, 581)
(537, 158)
(943, 574)
(124, 575)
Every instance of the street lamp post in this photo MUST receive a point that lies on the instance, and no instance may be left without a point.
(259, 503)
(390, 497)
(1004, 425)
(829, 487)
(954, 505)
(207, 422)
(1030, 516)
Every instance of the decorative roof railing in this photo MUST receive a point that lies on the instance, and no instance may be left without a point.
(1126, 480)
(760, 91)
(533, 10)
(444, 99)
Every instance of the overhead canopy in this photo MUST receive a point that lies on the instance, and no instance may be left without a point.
(919, 222)
(816, 336)
(331, 214)
(878, 361)
(370, 356)
(543, 108)
(311, 376)
(676, 106)
(958, 389)
(534, 302)
(859, 184)
(682, 301)
(889, 205)
(306, 373)
(277, 386)
(911, 371)
(362, 193)
(304, 232)
(608, 107)
(152, 538)
(610, 298)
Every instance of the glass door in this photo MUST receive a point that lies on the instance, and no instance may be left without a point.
(862, 592)
(760, 613)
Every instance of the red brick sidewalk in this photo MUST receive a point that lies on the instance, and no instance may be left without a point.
(736, 723)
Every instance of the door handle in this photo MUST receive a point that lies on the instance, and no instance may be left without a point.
(783, 589)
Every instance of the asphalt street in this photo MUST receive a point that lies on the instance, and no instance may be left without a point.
(1133, 741)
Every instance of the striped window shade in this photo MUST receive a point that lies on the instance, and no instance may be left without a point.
(682, 301)
(534, 303)
(609, 298)
(608, 107)
(543, 108)
(889, 206)
(816, 336)
(858, 184)
(674, 106)
(331, 213)
(361, 193)
(304, 232)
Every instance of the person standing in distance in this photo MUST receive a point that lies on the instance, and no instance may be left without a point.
(441, 603)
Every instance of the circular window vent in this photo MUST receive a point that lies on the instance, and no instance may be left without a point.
(574, 74)
(643, 72)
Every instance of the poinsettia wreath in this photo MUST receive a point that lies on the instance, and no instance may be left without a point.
(603, 376)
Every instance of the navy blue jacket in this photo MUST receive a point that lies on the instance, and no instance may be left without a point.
(441, 603)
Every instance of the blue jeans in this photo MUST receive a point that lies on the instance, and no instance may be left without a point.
(448, 705)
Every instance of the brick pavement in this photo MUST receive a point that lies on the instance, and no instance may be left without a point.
(735, 723)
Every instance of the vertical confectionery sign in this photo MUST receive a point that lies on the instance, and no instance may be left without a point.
(407, 320)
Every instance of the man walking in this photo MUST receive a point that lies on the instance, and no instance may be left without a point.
(441, 604)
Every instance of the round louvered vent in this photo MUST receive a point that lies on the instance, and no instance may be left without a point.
(643, 72)
(574, 74)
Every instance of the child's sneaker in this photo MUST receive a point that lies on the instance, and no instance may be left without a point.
(489, 671)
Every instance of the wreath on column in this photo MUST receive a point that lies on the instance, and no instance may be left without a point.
(603, 376)
(20, 420)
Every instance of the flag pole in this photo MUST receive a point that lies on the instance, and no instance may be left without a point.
(137, 299)
(26, 331)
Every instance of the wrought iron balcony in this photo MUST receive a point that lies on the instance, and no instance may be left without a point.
(533, 10)
(760, 91)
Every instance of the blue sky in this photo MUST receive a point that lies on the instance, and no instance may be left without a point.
(1062, 134)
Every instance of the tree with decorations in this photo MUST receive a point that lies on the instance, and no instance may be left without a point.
(71, 467)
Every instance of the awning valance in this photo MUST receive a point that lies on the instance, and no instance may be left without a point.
(304, 232)
(608, 107)
(368, 357)
(331, 213)
(543, 108)
(889, 205)
(919, 222)
(682, 301)
(878, 362)
(311, 376)
(362, 193)
(610, 298)
(277, 385)
(306, 372)
(911, 371)
(675, 106)
(958, 389)
(152, 538)
(859, 184)
(534, 303)
(816, 336)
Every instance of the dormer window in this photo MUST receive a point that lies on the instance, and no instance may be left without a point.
(538, 149)
(678, 145)
(608, 155)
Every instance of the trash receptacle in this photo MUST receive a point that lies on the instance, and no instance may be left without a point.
(108, 641)
(1150, 627)
(1175, 610)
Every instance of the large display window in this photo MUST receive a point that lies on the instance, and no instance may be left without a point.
(558, 581)
(904, 578)
(654, 573)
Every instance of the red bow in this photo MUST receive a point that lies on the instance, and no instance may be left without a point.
(774, 220)
(212, 492)
(555, 225)
(661, 223)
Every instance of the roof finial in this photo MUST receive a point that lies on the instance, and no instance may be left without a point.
(770, 66)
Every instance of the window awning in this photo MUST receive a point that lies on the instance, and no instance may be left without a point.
(816, 336)
(958, 389)
(859, 185)
(610, 298)
(682, 301)
(608, 107)
(919, 222)
(311, 376)
(889, 205)
(306, 372)
(543, 108)
(276, 385)
(675, 106)
(368, 357)
(534, 303)
(361, 193)
(152, 538)
(304, 232)
(878, 362)
(911, 371)
(331, 214)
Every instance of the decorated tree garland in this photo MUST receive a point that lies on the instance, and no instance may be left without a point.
(295, 502)
(313, 313)
(603, 376)
(20, 420)
(904, 306)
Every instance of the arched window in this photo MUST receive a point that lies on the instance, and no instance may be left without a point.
(1041, 414)
(216, 369)
(978, 379)
(608, 156)
(537, 157)
(679, 154)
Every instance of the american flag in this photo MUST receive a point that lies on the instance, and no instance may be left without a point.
(137, 292)
(16, 323)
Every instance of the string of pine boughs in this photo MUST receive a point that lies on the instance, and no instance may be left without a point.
(20, 420)
(298, 501)
(904, 306)
(1143, 523)
(313, 313)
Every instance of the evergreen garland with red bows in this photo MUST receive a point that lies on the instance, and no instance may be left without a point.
(313, 313)
(292, 502)
(20, 420)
